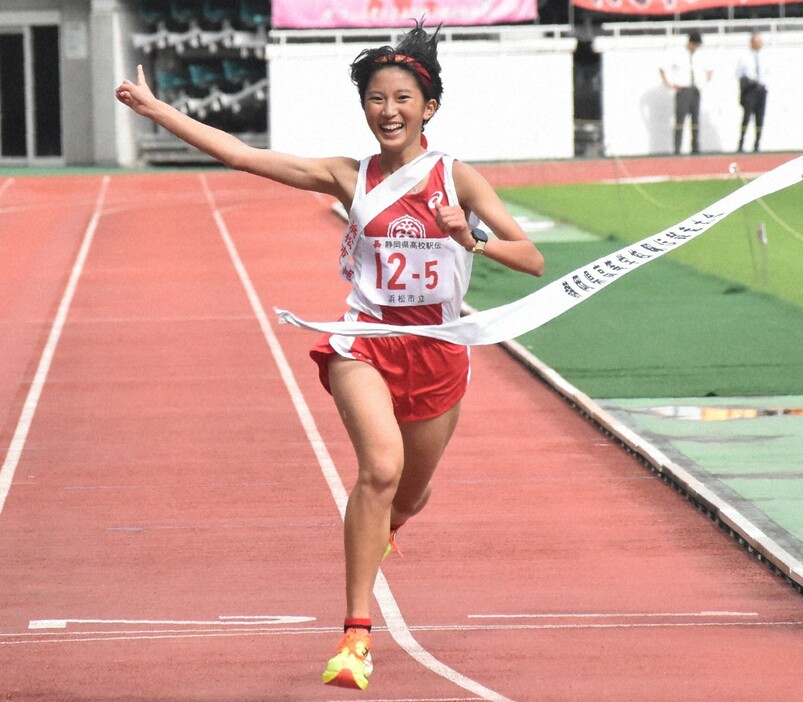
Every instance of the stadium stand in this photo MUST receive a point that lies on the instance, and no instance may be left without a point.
(208, 60)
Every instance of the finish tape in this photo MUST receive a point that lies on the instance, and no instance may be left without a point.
(532, 311)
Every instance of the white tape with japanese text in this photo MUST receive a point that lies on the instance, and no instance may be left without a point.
(532, 311)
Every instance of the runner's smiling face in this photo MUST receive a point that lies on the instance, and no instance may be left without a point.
(395, 108)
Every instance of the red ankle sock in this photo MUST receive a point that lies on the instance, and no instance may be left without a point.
(351, 623)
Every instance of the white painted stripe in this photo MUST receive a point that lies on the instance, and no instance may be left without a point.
(325, 461)
(39, 637)
(42, 370)
(24, 208)
(418, 699)
(244, 629)
(5, 186)
(610, 615)
(516, 318)
(139, 636)
(220, 621)
(610, 625)
(728, 514)
(387, 603)
(59, 627)
(266, 619)
(403, 636)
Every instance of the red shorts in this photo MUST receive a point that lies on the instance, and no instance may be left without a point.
(426, 377)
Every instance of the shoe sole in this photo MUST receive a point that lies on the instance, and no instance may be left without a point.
(346, 678)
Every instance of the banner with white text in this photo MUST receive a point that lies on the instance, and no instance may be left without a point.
(670, 7)
(342, 14)
(530, 312)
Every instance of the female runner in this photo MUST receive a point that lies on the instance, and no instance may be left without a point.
(399, 397)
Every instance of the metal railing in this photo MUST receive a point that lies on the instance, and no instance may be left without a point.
(670, 28)
(392, 35)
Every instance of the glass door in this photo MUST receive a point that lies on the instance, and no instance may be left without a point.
(13, 127)
(30, 95)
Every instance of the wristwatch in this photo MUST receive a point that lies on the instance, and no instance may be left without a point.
(481, 238)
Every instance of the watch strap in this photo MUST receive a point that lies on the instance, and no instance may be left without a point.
(479, 247)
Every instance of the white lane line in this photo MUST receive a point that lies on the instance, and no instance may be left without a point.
(34, 393)
(415, 699)
(612, 615)
(142, 636)
(611, 625)
(5, 186)
(267, 619)
(66, 636)
(308, 423)
(124, 634)
(58, 627)
(387, 603)
(637, 180)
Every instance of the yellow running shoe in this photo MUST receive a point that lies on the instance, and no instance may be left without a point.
(352, 666)
(392, 545)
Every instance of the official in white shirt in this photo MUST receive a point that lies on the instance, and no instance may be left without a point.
(686, 73)
(752, 72)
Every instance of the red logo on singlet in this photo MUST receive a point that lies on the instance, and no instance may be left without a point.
(406, 227)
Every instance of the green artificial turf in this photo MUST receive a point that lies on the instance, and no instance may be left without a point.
(704, 320)
(731, 250)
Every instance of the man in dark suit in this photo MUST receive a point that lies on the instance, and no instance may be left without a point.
(752, 73)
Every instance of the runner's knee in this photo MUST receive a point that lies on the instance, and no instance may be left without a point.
(380, 476)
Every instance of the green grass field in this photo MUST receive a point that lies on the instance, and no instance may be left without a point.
(721, 316)
(731, 250)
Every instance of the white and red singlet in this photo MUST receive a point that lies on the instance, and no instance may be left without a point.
(406, 271)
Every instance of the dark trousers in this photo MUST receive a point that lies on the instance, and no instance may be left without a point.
(754, 103)
(687, 103)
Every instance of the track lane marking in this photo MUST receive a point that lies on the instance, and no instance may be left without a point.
(6, 185)
(611, 615)
(387, 603)
(263, 619)
(65, 636)
(40, 377)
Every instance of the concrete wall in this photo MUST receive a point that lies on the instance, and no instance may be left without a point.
(638, 111)
(24, 14)
(508, 91)
(77, 55)
(114, 129)
(94, 48)
(503, 100)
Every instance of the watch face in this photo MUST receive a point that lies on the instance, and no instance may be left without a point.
(479, 235)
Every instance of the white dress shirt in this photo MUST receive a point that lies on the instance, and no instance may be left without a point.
(754, 66)
(686, 68)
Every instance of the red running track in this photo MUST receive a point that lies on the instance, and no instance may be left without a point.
(170, 532)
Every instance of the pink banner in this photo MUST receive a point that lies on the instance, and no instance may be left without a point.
(669, 7)
(339, 14)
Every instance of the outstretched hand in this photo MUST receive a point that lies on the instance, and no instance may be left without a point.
(137, 96)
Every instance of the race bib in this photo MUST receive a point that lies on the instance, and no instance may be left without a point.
(403, 272)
